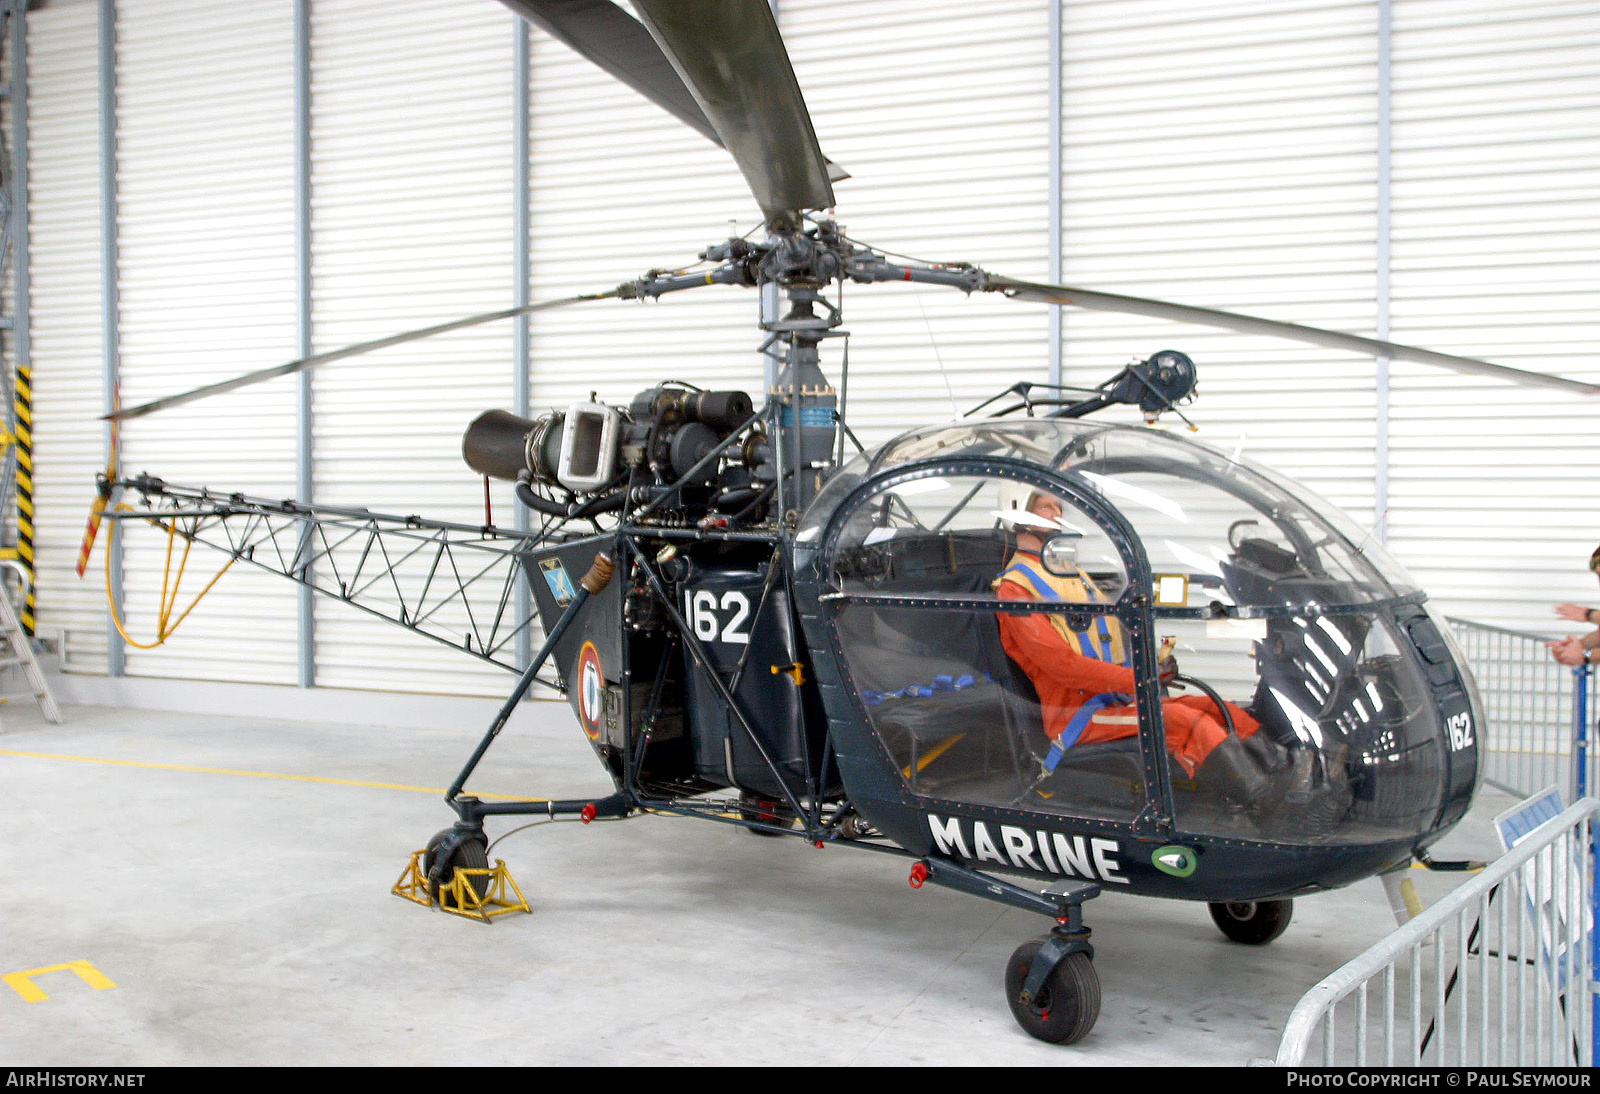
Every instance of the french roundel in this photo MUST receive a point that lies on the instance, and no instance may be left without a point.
(591, 689)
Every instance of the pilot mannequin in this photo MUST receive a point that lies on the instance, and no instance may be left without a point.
(1086, 688)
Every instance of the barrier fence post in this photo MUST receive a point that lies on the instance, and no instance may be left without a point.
(1582, 681)
(1580, 731)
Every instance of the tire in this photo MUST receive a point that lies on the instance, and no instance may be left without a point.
(753, 807)
(1067, 1005)
(471, 854)
(1253, 923)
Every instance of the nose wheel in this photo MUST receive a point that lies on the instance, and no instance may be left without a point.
(1065, 1005)
(1051, 985)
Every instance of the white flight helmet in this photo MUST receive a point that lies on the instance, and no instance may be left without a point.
(1013, 499)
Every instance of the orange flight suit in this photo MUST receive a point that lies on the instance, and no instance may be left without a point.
(1070, 668)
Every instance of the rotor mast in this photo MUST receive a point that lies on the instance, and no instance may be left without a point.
(802, 408)
(802, 403)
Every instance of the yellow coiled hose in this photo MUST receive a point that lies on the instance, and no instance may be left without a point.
(165, 624)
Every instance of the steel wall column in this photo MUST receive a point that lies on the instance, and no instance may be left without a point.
(1056, 326)
(20, 412)
(522, 187)
(116, 654)
(19, 175)
(305, 600)
(769, 306)
(1380, 501)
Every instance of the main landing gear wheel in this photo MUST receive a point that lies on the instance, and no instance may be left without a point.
(1066, 1007)
(1254, 923)
(753, 807)
(471, 854)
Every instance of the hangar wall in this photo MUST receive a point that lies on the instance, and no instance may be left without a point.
(1251, 155)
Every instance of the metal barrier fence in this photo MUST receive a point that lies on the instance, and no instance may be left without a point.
(1538, 712)
(1497, 974)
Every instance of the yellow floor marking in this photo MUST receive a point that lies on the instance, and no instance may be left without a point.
(22, 982)
(251, 774)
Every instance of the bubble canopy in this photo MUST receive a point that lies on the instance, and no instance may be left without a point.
(1170, 488)
(1287, 621)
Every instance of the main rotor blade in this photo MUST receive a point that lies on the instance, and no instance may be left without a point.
(1091, 300)
(348, 351)
(618, 43)
(731, 56)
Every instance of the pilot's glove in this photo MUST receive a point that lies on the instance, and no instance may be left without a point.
(1166, 662)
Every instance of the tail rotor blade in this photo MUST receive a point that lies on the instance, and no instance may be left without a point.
(1092, 300)
(355, 350)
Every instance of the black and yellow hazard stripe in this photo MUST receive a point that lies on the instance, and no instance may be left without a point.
(22, 408)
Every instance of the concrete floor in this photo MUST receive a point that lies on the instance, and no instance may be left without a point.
(246, 919)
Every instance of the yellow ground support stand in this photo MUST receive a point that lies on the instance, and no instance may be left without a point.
(459, 896)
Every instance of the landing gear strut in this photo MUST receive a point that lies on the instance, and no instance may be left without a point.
(1065, 1005)
(1051, 985)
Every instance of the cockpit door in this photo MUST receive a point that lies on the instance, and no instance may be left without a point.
(989, 621)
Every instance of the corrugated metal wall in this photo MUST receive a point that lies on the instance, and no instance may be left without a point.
(411, 225)
(64, 215)
(1495, 502)
(620, 187)
(1226, 156)
(948, 162)
(940, 112)
(205, 235)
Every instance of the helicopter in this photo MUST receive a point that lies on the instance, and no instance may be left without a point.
(755, 628)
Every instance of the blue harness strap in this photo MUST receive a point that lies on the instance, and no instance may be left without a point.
(1085, 713)
(1047, 593)
(945, 681)
(1039, 584)
(1079, 721)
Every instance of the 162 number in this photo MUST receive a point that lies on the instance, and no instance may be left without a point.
(705, 617)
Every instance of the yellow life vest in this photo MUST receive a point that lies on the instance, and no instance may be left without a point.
(1102, 639)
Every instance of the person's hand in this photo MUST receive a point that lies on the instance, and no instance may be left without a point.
(1166, 663)
(1575, 612)
(1568, 651)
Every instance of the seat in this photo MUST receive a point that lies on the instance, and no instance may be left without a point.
(897, 657)
(1104, 774)
(929, 677)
